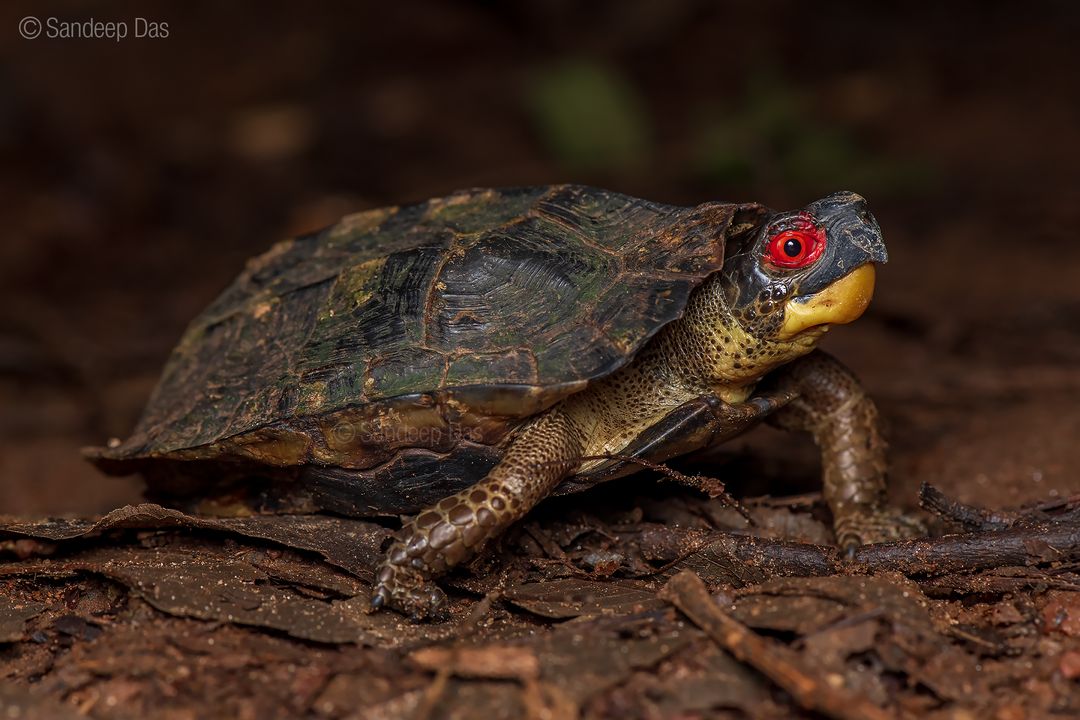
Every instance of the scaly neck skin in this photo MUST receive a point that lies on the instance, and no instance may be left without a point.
(717, 348)
(707, 351)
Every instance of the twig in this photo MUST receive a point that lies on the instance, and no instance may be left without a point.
(803, 500)
(736, 558)
(968, 517)
(976, 518)
(687, 592)
(1018, 545)
(702, 483)
(1068, 504)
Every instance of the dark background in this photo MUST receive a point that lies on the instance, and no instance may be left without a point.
(137, 176)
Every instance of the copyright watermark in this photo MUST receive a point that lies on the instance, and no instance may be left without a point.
(30, 27)
(364, 433)
(53, 28)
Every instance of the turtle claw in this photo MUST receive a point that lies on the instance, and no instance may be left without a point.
(405, 589)
(868, 528)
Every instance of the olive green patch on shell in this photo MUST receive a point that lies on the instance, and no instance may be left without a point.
(511, 366)
(360, 223)
(475, 211)
(310, 395)
(403, 372)
(353, 288)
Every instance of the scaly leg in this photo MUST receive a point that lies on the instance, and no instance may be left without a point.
(457, 527)
(834, 408)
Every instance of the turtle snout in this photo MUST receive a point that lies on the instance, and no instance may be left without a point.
(866, 235)
(849, 222)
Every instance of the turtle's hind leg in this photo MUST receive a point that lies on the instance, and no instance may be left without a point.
(457, 527)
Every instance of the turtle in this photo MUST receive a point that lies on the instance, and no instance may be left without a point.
(458, 360)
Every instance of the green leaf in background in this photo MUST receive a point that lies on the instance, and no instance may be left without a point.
(773, 136)
(589, 117)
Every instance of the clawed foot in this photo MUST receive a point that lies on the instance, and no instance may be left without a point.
(407, 590)
(856, 530)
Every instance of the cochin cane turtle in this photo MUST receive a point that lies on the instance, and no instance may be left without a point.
(457, 360)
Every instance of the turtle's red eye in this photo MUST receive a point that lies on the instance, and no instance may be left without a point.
(793, 249)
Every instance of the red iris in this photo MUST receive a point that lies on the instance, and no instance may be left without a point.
(796, 248)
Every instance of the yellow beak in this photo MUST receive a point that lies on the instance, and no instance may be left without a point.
(839, 303)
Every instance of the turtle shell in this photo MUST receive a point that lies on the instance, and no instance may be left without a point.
(408, 335)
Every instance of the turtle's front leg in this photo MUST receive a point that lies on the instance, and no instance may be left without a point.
(834, 408)
(457, 527)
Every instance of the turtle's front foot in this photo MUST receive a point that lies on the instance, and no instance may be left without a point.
(453, 530)
(876, 526)
(401, 586)
(428, 546)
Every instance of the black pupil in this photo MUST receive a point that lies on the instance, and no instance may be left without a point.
(792, 248)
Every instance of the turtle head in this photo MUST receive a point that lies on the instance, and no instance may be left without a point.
(798, 273)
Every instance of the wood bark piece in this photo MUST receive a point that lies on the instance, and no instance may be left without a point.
(350, 544)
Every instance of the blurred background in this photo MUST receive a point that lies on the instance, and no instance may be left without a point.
(137, 175)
